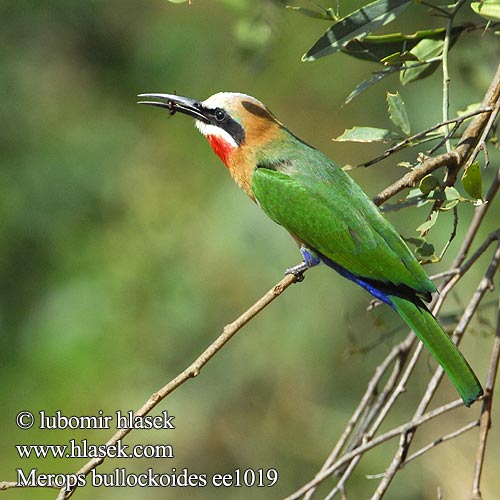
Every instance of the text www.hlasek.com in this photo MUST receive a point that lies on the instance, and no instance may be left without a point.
(83, 449)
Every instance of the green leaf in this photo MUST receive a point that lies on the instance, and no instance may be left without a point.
(429, 48)
(414, 193)
(425, 250)
(367, 134)
(469, 109)
(397, 112)
(453, 198)
(426, 49)
(381, 48)
(428, 183)
(358, 24)
(423, 228)
(472, 181)
(489, 9)
(315, 14)
(395, 67)
(448, 205)
(452, 194)
(398, 58)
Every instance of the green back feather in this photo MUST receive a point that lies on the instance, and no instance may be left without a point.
(320, 204)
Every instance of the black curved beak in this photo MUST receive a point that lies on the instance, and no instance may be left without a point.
(175, 103)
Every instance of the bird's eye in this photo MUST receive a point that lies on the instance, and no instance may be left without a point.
(220, 114)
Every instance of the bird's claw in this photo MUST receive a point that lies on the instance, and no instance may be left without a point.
(298, 271)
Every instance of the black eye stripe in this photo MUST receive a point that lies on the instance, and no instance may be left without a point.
(220, 118)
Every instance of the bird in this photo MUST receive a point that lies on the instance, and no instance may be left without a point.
(329, 216)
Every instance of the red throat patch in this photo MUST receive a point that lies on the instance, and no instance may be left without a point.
(221, 148)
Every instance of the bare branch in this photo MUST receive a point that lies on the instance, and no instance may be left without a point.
(485, 420)
(442, 439)
(402, 429)
(406, 440)
(446, 76)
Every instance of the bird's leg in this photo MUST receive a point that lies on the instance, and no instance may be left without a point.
(310, 260)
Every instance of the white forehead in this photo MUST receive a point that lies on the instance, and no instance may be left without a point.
(226, 99)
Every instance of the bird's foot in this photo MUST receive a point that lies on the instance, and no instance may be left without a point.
(311, 259)
(298, 271)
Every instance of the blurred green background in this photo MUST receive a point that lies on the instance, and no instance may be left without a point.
(125, 247)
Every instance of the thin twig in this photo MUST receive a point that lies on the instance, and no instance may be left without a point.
(420, 135)
(369, 394)
(440, 440)
(446, 74)
(485, 420)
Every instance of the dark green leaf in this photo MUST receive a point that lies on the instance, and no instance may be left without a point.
(472, 181)
(379, 75)
(377, 48)
(367, 134)
(425, 251)
(358, 25)
(428, 183)
(397, 112)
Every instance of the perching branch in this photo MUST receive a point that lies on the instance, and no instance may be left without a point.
(191, 371)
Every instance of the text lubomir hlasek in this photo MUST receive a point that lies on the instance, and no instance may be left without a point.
(127, 420)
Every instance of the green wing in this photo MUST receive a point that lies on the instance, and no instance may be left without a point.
(322, 206)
